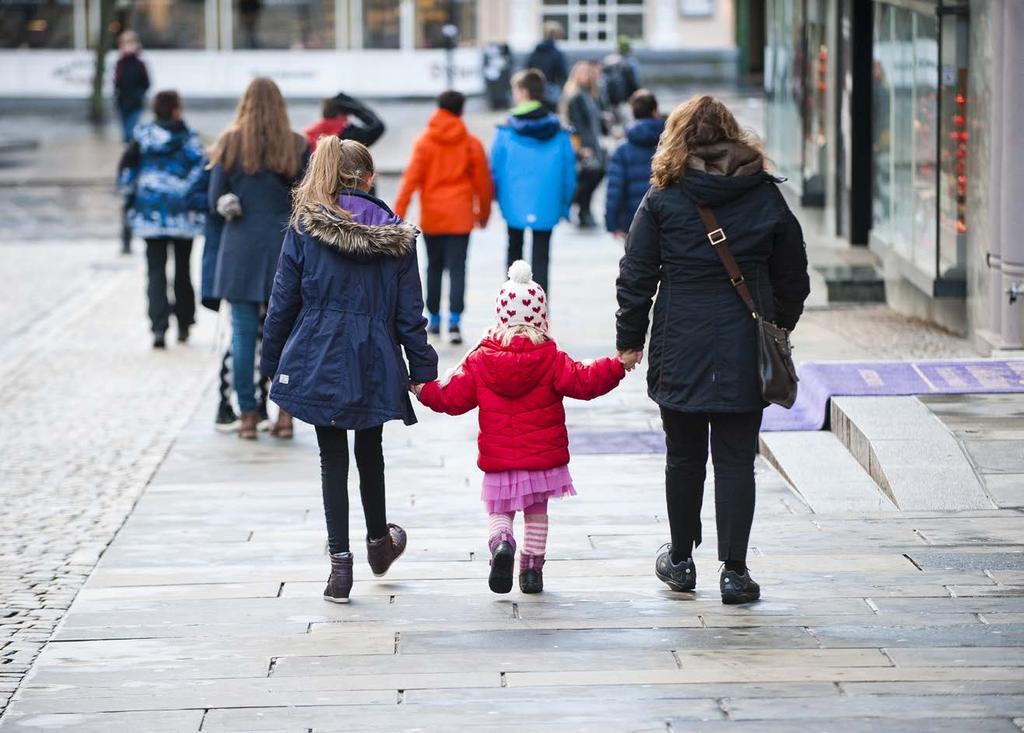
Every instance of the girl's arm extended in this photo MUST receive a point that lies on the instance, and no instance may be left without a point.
(456, 397)
(587, 381)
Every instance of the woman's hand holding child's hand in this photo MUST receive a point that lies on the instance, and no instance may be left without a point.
(630, 359)
(416, 389)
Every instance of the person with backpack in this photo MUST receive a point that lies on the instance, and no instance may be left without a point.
(548, 59)
(449, 170)
(629, 170)
(534, 169)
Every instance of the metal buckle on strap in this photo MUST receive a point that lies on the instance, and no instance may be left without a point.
(737, 281)
(716, 237)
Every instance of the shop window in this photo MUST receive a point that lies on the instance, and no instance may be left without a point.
(953, 183)
(433, 15)
(37, 24)
(283, 24)
(382, 24)
(165, 23)
(783, 84)
(905, 102)
(596, 22)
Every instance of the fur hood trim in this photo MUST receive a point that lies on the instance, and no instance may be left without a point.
(358, 240)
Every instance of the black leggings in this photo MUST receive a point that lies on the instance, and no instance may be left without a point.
(541, 246)
(184, 296)
(733, 450)
(334, 482)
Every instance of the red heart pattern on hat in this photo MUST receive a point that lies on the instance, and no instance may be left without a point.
(521, 301)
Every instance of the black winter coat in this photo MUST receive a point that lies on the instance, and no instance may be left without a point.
(702, 355)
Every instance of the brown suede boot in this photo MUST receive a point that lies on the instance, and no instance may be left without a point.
(381, 553)
(339, 583)
(247, 430)
(283, 428)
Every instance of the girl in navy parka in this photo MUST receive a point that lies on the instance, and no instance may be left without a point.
(346, 301)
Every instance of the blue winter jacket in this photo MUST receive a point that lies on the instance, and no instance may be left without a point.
(629, 173)
(159, 168)
(346, 301)
(198, 199)
(534, 169)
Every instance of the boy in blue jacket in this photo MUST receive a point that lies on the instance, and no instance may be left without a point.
(629, 170)
(534, 169)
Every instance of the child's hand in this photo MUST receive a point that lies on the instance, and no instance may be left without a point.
(416, 389)
(630, 359)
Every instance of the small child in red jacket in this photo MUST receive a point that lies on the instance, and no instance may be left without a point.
(518, 378)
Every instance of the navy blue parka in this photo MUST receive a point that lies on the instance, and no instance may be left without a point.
(629, 173)
(346, 301)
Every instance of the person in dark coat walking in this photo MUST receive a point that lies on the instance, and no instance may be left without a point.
(582, 112)
(346, 302)
(131, 82)
(156, 172)
(255, 163)
(703, 356)
(629, 169)
(549, 60)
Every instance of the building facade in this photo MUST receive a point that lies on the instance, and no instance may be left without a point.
(374, 47)
(885, 114)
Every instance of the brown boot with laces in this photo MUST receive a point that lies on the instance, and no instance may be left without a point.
(381, 553)
(339, 583)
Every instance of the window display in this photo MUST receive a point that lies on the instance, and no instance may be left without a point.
(433, 15)
(38, 24)
(166, 23)
(382, 24)
(283, 24)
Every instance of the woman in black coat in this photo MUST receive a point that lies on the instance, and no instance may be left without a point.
(582, 113)
(703, 358)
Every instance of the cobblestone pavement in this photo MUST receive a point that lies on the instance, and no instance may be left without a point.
(89, 412)
(205, 612)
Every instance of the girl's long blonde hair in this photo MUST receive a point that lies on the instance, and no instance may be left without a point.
(703, 120)
(573, 87)
(261, 137)
(336, 164)
(505, 334)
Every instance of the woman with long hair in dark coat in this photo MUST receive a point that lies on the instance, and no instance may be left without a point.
(254, 165)
(703, 361)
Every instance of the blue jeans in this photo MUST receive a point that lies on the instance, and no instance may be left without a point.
(128, 122)
(245, 323)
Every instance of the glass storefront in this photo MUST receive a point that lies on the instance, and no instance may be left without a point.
(283, 24)
(953, 105)
(783, 84)
(37, 23)
(433, 15)
(595, 22)
(165, 23)
(382, 24)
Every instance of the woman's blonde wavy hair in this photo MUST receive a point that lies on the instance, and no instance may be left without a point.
(261, 137)
(703, 120)
(335, 165)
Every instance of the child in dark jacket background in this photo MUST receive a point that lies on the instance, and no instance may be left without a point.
(346, 294)
(629, 170)
(518, 378)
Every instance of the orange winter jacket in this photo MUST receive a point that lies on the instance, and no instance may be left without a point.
(449, 170)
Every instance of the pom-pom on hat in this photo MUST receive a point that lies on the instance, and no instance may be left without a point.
(521, 301)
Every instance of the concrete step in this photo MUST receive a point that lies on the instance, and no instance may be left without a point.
(909, 453)
(823, 473)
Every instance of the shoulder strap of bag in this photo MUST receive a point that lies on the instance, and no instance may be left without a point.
(717, 238)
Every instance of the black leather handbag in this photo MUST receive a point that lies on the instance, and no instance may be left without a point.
(774, 351)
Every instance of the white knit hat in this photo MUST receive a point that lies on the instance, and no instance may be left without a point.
(521, 301)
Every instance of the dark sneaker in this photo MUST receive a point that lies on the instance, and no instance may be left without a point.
(738, 588)
(183, 334)
(454, 334)
(531, 573)
(159, 341)
(679, 577)
(503, 558)
(263, 422)
(339, 583)
(227, 421)
(381, 553)
(434, 325)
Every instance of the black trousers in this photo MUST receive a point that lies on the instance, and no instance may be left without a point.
(587, 182)
(540, 252)
(334, 482)
(184, 295)
(446, 252)
(733, 450)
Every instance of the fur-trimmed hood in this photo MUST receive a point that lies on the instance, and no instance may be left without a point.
(359, 237)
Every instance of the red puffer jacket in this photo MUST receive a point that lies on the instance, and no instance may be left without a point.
(519, 389)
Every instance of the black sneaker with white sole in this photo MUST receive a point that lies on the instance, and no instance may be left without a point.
(680, 577)
(738, 588)
(454, 334)
(227, 421)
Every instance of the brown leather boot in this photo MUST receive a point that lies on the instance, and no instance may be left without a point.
(381, 553)
(339, 583)
(247, 430)
(283, 428)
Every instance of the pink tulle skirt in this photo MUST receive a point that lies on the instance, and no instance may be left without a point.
(512, 491)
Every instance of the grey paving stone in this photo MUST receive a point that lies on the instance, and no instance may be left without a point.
(155, 720)
(890, 707)
(1009, 635)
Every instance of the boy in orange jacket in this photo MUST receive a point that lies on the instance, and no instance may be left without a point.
(449, 170)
